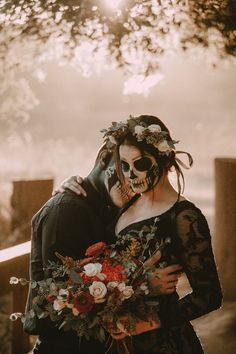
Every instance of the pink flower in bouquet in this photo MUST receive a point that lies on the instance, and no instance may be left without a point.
(96, 249)
(83, 302)
(98, 290)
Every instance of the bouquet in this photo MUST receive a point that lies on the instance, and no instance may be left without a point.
(91, 294)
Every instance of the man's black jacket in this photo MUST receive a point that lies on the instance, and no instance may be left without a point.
(68, 224)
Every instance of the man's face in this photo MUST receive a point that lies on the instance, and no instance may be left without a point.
(119, 194)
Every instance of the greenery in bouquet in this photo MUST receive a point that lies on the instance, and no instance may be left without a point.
(91, 294)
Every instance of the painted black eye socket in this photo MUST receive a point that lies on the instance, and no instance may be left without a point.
(124, 166)
(142, 164)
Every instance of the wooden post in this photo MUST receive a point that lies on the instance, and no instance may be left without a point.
(225, 224)
(27, 198)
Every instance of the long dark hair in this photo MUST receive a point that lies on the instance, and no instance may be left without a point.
(165, 162)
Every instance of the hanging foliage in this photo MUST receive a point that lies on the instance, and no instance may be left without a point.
(92, 34)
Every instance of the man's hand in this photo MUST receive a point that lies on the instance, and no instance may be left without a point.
(162, 281)
(72, 183)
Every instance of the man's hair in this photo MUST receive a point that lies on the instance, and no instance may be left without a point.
(104, 156)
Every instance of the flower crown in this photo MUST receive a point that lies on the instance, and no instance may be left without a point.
(151, 134)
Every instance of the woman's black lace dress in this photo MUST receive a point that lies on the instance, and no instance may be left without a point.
(185, 231)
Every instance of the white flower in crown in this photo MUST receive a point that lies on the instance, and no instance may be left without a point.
(154, 128)
(138, 130)
(163, 146)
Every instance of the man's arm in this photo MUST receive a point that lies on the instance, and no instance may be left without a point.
(63, 228)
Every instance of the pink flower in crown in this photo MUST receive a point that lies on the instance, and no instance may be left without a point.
(163, 146)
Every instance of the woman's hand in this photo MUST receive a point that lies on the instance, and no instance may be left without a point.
(162, 281)
(72, 183)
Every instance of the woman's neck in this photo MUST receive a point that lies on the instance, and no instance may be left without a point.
(162, 191)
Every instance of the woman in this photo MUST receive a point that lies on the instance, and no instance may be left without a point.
(144, 154)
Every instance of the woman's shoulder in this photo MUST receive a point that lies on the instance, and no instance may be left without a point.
(184, 205)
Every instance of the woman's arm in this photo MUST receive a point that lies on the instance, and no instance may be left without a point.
(195, 251)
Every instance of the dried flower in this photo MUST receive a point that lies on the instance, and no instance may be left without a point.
(96, 249)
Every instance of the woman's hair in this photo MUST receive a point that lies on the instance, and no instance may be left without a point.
(165, 162)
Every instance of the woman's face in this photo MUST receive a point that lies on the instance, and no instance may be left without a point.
(141, 170)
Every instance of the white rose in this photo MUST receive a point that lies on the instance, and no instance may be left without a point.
(112, 284)
(92, 269)
(98, 290)
(127, 292)
(121, 286)
(63, 294)
(58, 305)
(154, 128)
(163, 146)
(138, 130)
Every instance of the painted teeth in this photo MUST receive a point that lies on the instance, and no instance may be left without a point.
(139, 184)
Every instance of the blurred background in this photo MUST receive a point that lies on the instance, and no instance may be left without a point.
(70, 68)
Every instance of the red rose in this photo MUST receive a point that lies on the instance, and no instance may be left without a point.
(96, 249)
(83, 302)
(51, 298)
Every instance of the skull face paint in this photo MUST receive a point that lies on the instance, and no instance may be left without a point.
(119, 194)
(140, 170)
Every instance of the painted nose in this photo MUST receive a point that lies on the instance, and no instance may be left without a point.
(132, 175)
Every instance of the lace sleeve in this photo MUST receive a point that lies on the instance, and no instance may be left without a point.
(195, 252)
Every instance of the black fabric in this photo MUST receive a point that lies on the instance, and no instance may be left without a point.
(190, 245)
(68, 224)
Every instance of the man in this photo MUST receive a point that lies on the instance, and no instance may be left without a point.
(69, 224)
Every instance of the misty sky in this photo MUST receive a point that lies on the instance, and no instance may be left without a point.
(196, 102)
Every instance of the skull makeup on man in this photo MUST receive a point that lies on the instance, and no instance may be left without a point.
(119, 193)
